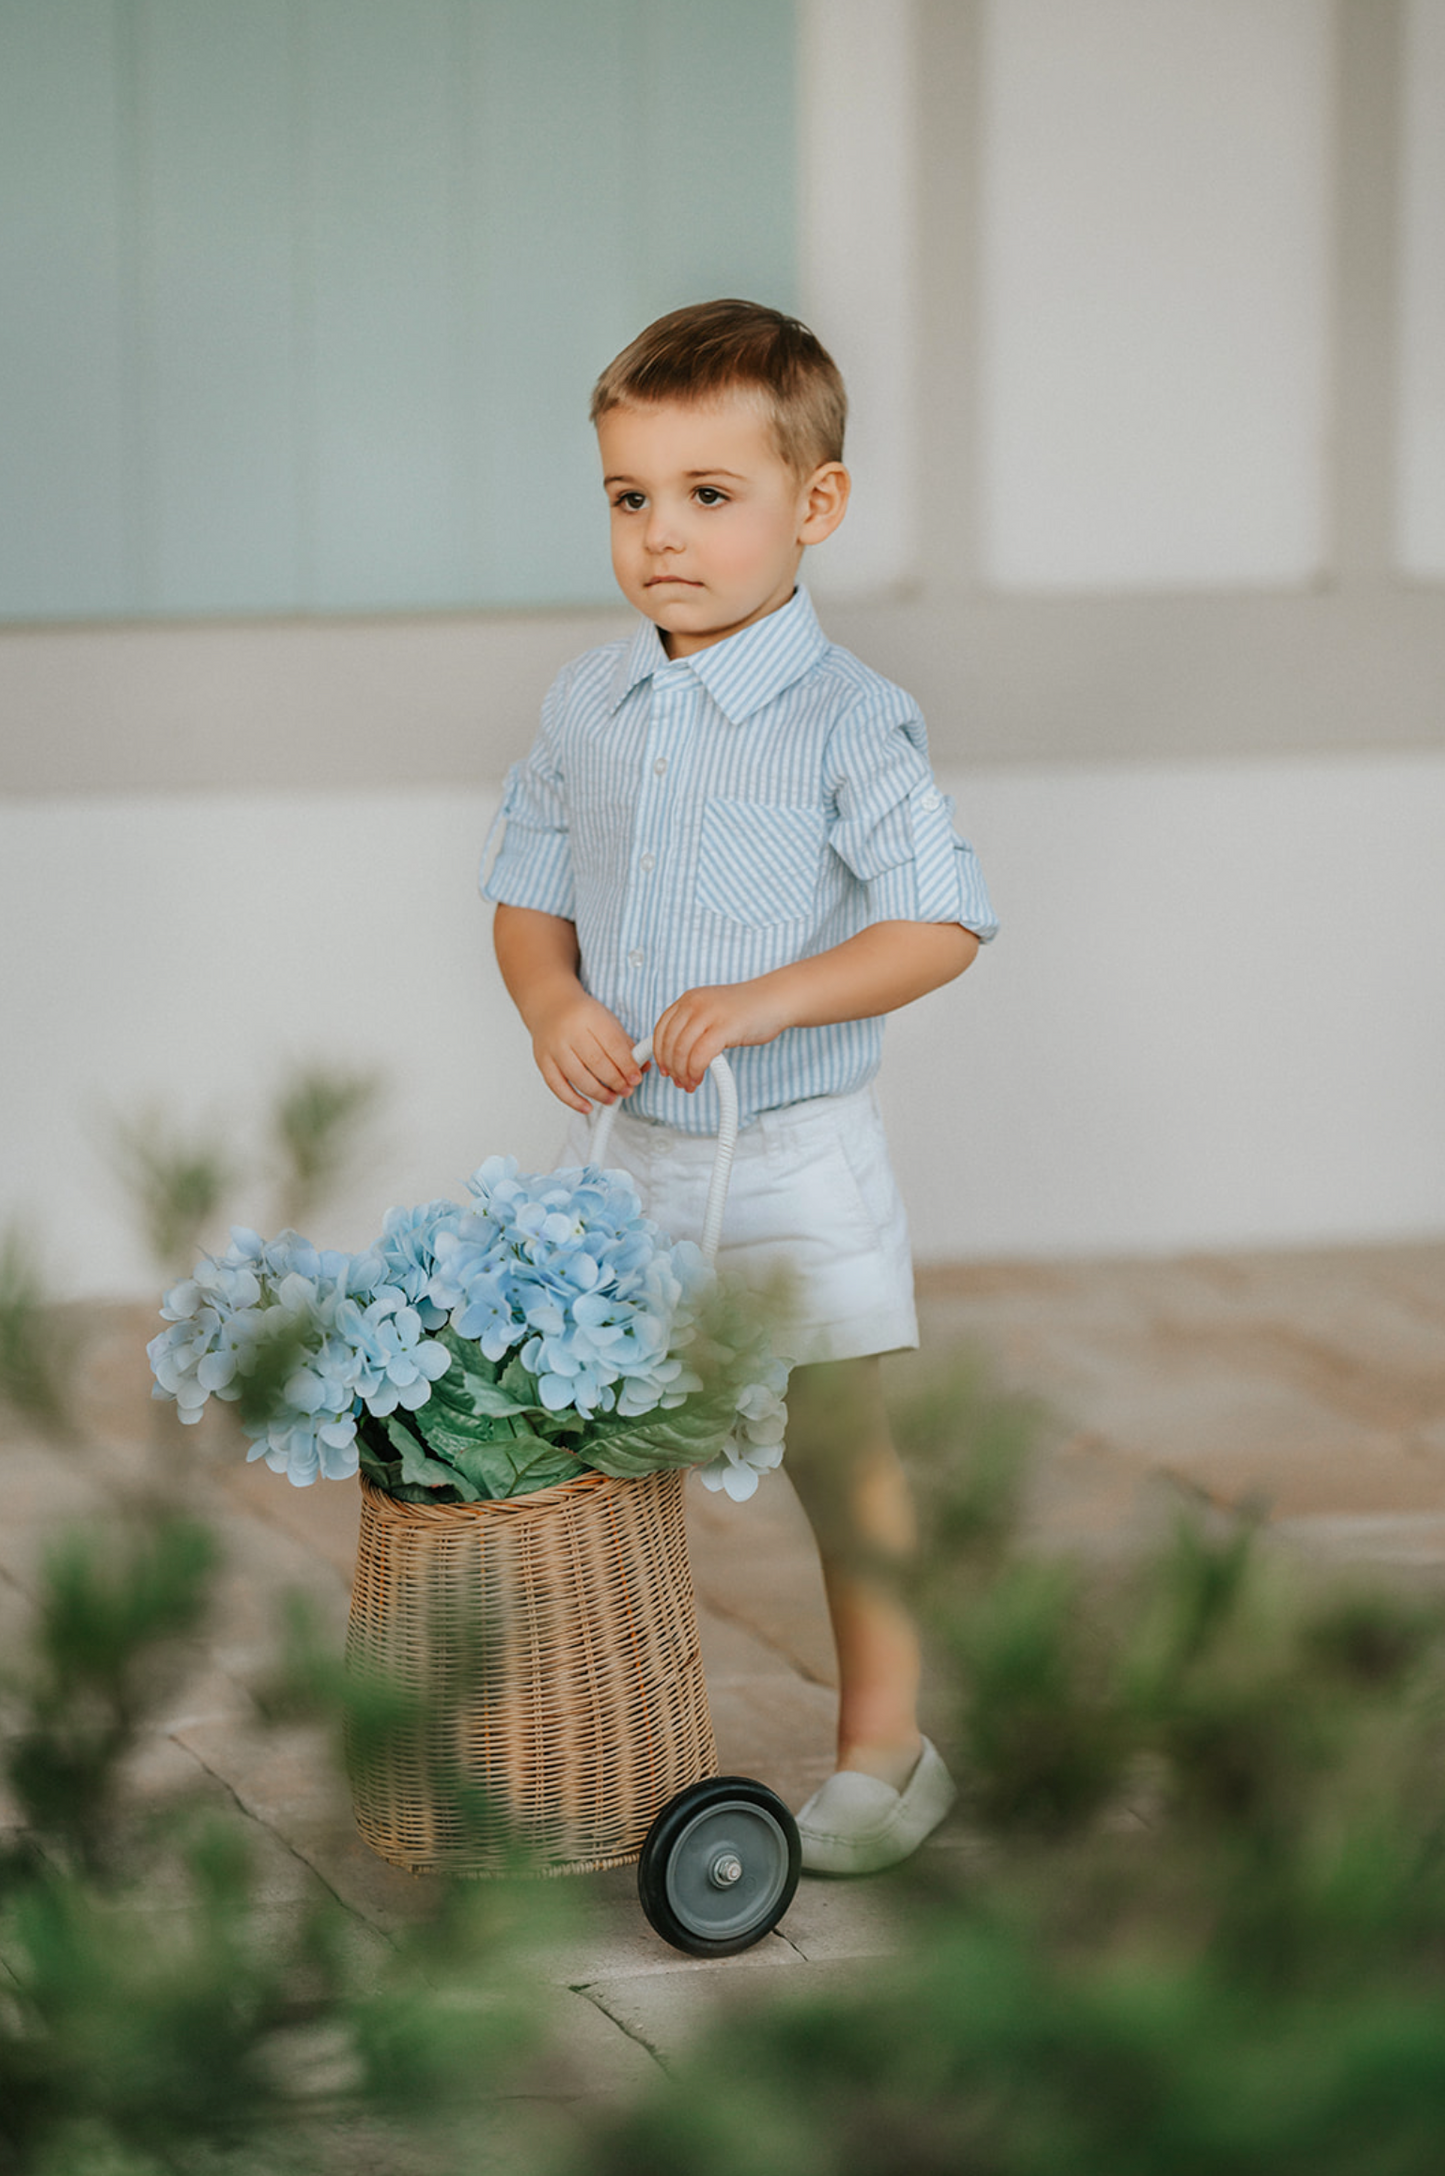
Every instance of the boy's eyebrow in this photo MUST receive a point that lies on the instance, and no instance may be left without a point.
(691, 474)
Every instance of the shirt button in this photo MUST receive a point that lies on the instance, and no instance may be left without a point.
(931, 799)
(659, 766)
(647, 864)
(636, 958)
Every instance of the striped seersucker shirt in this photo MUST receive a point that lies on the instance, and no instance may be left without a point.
(706, 820)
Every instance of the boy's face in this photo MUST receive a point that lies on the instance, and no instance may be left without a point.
(708, 520)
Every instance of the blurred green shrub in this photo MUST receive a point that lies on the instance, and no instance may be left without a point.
(180, 1180)
(37, 1344)
(113, 1603)
(177, 1181)
(1192, 1922)
(155, 2015)
(1196, 1924)
(318, 1123)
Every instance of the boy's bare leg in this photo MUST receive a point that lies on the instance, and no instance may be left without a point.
(847, 1474)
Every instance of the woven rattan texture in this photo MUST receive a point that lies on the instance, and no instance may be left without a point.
(545, 1654)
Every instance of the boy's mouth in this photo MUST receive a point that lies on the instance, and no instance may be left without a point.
(682, 581)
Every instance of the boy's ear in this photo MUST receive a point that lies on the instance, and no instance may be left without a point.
(825, 502)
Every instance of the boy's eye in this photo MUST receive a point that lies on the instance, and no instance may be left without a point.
(632, 500)
(709, 495)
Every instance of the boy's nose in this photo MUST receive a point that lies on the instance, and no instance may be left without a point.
(661, 535)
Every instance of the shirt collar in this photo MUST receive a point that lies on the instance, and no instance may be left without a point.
(744, 672)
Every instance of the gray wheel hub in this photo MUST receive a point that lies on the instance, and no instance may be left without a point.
(727, 1869)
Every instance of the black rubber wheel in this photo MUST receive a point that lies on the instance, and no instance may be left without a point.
(719, 1866)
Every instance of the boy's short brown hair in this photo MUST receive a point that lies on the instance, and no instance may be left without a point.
(711, 348)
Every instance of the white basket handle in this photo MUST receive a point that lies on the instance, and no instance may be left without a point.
(727, 1140)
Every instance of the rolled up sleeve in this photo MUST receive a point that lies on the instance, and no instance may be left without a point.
(894, 828)
(527, 857)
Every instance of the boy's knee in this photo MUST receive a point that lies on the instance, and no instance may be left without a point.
(841, 1458)
(835, 1412)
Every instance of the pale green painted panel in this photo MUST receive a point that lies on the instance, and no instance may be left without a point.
(722, 146)
(559, 229)
(65, 535)
(633, 156)
(304, 299)
(383, 351)
(219, 410)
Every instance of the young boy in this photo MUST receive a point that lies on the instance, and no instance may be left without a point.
(727, 837)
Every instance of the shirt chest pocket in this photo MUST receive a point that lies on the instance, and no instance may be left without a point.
(758, 863)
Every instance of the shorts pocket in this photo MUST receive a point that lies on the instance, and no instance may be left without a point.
(865, 1154)
(758, 862)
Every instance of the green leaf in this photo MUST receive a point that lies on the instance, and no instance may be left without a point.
(404, 1493)
(523, 1385)
(376, 1468)
(517, 1465)
(449, 1426)
(470, 1384)
(684, 1436)
(447, 1432)
(453, 1388)
(488, 1398)
(424, 1472)
(472, 1396)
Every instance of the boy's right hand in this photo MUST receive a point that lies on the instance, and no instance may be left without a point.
(584, 1053)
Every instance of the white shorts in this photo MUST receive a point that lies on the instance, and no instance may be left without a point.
(812, 1197)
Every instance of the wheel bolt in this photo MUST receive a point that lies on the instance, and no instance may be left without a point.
(726, 1868)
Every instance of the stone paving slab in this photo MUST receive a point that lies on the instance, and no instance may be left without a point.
(780, 1733)
(832, 1922)
(667, 2018)
(1409, 1543)
(754, 1564)
(43, 1490)
(588, 2057)
(323, 1521)
(1311, 1380)
(287, 1782)
(769, 1721)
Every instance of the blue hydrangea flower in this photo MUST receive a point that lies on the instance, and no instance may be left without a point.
(407, 1249)
(469, 1285)
(306, 1449)
(566, 1269)
(363, 1343)
(562, 1270)
(382, 1354)
(755, 1445)
(212, 1317)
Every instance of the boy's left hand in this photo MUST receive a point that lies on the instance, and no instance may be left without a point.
(701, 1023)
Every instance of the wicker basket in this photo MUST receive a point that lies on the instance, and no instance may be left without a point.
(545, 1651)
(545, 1654)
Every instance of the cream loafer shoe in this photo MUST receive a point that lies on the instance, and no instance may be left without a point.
(857, 1825)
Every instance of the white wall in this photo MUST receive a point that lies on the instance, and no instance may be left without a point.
(1155, 308)
(1420, 447)
(858, 254)
(1214, 1015)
